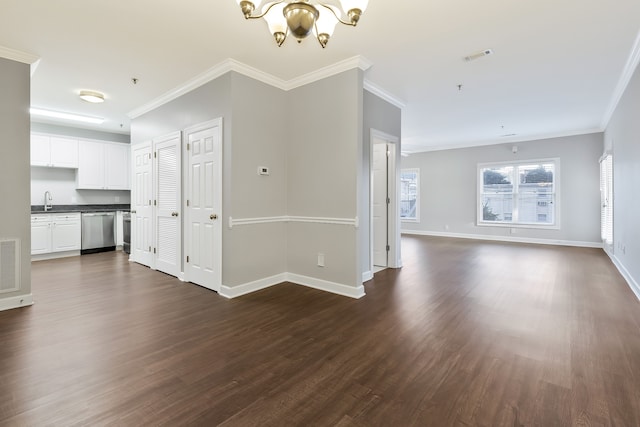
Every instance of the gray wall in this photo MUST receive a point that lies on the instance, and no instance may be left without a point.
(252, 136)
(448, 188)
(380, 115)
(62, 182)
(324, 154)
(622, 137)
(14, 164)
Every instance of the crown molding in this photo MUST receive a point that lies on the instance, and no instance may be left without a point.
(357, 61)
(254, 73)
(18, 56)
(486, 142)
(22, 57)
(378, 91)
(623, 82)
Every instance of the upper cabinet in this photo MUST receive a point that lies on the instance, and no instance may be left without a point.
(103, 166)
(54, 151)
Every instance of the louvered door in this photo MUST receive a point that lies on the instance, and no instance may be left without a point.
(167, 203)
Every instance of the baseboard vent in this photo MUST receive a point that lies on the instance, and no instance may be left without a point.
(9, 265)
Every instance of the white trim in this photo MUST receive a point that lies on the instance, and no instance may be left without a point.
(256, 285)
(381, 93)
(394, 259)
(357, 61)
(307, 219)
(310, 282)
(230, 64)
(367, 275)
(635, 287)
(18, 56)
(556, 193)
(470, 144)
(623, 82)
(54, 255)
(324, 285)
(15, 302)
(531, 240)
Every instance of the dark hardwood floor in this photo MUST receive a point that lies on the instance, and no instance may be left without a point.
(467, 333)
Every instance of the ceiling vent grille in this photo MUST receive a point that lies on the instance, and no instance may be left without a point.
(478, 55)
(9, 265)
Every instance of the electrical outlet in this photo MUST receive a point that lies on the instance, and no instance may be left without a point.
(513, 231)
(74, 199)
(320, 260)
(117, 199)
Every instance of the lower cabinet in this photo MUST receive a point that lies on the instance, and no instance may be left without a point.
(55, 233)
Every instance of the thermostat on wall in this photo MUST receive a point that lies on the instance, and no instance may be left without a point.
(263, 170)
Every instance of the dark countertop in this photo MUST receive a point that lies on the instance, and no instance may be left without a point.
(37, 209)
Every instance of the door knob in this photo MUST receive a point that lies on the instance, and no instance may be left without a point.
(174, 213)
(133, 212)
(213, 216)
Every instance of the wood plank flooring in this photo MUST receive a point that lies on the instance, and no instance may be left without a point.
(467, 333)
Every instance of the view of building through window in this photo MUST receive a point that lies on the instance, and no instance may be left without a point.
(522, 193)
(409, 191)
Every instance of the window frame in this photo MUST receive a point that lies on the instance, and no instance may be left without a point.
(417, 216)
(515, 164)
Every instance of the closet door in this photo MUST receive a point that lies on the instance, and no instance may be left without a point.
(142, 205)
(203, 210)
(167, 204)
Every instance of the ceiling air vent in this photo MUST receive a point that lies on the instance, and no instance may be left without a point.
(477, 55)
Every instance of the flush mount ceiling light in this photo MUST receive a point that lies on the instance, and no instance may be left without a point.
(65, 116)
(302, 17)
(91, 96)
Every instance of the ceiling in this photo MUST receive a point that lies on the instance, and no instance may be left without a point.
(556, 67)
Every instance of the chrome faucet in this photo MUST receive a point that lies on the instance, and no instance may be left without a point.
(47, 201)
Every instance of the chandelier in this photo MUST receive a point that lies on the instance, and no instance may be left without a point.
(302, 17)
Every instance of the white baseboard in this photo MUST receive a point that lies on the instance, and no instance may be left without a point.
(324, 285)
(627, 276)
(256, 285)
(555, 242)
(16, 302)
(311, 282)
(54, 255)
(367, 275)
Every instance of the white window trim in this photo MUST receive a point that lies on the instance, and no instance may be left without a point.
(417, 172)
(556, 183)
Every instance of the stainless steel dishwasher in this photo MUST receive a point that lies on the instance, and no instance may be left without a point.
(98, 232)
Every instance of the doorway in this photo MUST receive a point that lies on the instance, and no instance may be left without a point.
(384, 220)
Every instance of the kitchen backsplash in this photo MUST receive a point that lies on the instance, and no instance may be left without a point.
(61, 183)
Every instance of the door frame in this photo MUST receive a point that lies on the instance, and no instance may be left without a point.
(393, 190)
(217, 122)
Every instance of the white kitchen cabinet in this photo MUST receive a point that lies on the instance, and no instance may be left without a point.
(103, 166)
(54, 151)
(40, 234)
(65, 232)
(55, 233)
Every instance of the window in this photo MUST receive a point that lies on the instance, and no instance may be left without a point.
(606, 198)
(518, 194)
(409, 194)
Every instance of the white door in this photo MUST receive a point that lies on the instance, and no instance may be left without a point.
(64, 152)
(90, 175)
(142, 205)
(203, 216)
(380, 204)
(40, 150)
(40, 235)
(167, 185)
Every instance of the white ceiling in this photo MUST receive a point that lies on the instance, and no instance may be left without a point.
(555, 68)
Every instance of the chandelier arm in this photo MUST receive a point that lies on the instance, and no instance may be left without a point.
(351, 24)
(266, 11)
